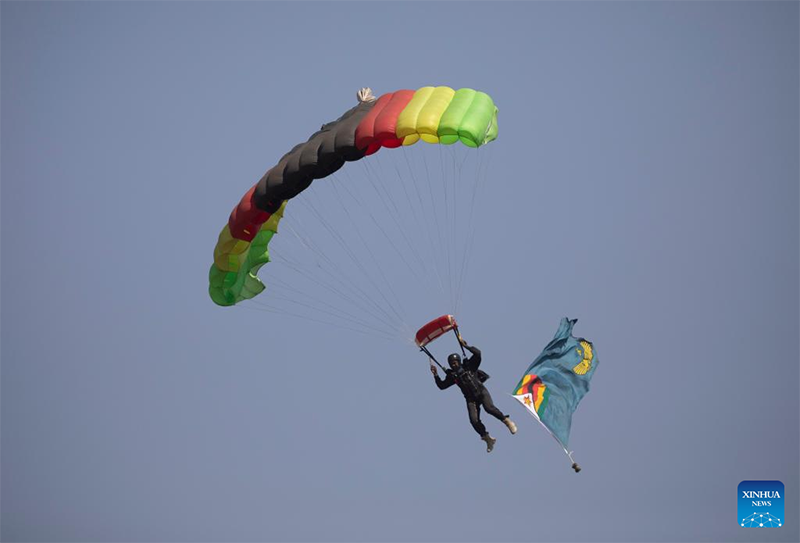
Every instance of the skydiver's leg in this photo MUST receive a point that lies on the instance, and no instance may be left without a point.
(489, 406)
(474, 410)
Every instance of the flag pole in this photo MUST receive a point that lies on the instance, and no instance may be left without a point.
(575, 465)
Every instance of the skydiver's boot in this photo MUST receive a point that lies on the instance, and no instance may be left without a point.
(510, 425)
(490, 441)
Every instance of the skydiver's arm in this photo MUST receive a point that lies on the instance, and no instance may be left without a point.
(447, 382)
(475, 359)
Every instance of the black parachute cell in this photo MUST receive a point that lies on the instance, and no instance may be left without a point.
(325, 152)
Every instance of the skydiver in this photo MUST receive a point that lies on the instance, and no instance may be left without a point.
(470, 380)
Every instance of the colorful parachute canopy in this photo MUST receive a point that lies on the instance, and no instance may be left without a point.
(432, 114)
(555, 383)
(435, 328)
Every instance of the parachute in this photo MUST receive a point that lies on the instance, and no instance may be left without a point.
(402, 118)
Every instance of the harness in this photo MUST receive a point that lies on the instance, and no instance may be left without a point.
(469, 382)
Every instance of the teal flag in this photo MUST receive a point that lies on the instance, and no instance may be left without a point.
(554, 384)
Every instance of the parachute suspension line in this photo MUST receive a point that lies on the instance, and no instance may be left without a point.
(377, 224)
(311, 246)
(446, 244)
(427, 224)
(413, 208)
(426, 285)
(343, 244)
(419, 223)
(369, 277)
(386, 197)
(338, 312)
(464, 233)
(335, 185)
(463, 229)
(396, 216)
(377, 182)
(446, 230)
(469, 229)
(433, 205)
(368, 299)
(258, 306)
(470, 239)
(480, 171)
(319, 310)
(454, 230)
(451, 228)
(458, 231)
(388, 284)
(349, 299)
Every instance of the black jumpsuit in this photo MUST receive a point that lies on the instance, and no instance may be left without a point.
(470, 380)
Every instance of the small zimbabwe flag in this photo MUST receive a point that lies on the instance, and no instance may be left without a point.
(533, 393)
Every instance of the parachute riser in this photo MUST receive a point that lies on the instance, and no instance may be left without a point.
(426, 351)
(458, 336)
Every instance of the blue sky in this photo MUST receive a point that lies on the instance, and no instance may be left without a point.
(645, 181)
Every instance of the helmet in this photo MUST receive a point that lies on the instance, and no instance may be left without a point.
(454, 359)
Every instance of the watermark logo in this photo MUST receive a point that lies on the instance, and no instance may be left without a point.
(761, 504)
